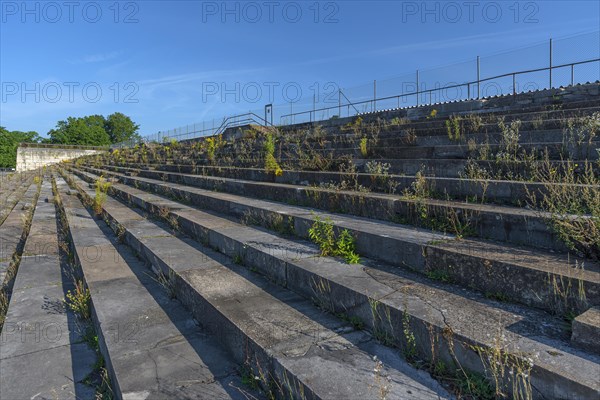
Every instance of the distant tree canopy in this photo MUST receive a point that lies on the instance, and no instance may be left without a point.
(9, 141)
(94, 130)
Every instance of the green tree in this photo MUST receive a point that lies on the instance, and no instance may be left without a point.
(9, 141)
(121, 128)
(81, 131)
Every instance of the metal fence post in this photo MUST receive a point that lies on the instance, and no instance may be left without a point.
(550, 64)
(417, 87)
(478, 77)
(375, 95)
(514, 85)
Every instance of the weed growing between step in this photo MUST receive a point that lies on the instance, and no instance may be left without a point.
(568, 294)
(442, 219)
(102, 187)
(574, 210)
(453, 128)
(464, 383)
(271, 164)
(79, 301)
(331, 244)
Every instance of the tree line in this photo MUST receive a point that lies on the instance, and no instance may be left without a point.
(92, 130)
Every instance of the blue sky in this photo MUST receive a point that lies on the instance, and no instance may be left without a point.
(169, 63)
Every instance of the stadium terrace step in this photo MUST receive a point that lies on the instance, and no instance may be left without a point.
(513, 225)
(549, 116)
(152, 346)
(42, 353)
(519, 274)
(586, 330)
(441, 168)
(13, 233)
(488, 191)
(11, 197)
(426, 320)
(280, 336)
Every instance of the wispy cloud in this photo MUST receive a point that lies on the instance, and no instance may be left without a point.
(97, 58)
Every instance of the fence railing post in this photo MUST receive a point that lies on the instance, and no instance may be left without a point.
(572, 74)
(374, 95)
(417, 87)
(478, 77)
(514, 84)
(550, 64)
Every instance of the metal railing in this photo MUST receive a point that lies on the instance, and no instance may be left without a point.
(180, 135)
(419, 93)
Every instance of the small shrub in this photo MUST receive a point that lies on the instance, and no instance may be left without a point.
(102, 187)
(574, 210)
(453, 128)
(323, 234)
(509, 142)
(363, 147)
(475, 122)
(78, 300)
(271, 164)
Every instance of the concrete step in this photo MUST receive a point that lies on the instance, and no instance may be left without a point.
(280, 336)
(518, 226)
(152, 346)
(586, 330)
(532, 119)
(11, 197)
(503, 192)
(42, 353)
(521, 275)
(441, 168)
(13, 235)
(555, 151)
(526, 137)
(433, 321)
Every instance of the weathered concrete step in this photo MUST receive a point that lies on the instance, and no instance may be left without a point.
(555, 151)
(447, 168)
(275, 332)
(493, 136)
(11, 198)
(531, 119)
(152, 346)
(485, 191)
(42, 354)
(586, 330)
(432, 321)
(522, 275)
(13, 234)
(519, 226)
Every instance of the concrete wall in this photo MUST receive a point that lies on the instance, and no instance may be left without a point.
(30, 157)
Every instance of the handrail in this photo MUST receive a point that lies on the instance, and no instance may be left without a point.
(250, 117)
